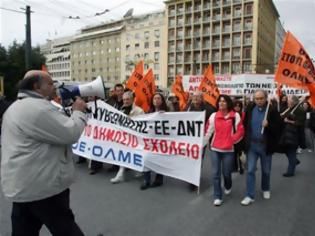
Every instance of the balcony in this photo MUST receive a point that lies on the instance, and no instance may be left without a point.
(188, 35)
(172, 13)
(187, 47)
(171, 48)
(179, 36)
(215, 45)
(188, 9)
(206, 45)
(215, 58)
(216, 17)
(206, 19)
(187, 59)
(248, 27)
(238, 28)
(197, 8)
(226, 2)
(171, 37)
(247, 42)
(237, 14)
(226, 30)
(206, 6)
(206, 32)
(180, 23)
(197, 20)
(179, 48)
(197, 34)
(226, 16)
(180, 11)
(196, 46)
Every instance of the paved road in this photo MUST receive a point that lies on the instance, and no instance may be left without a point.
(123, 209)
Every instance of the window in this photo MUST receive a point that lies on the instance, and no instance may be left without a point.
(146, 34)
(146, 56)
(137, 46)
(157, 33)
(247, 53)
(236, 53)
(156, 44)
(127, 47)
(156, 77)
(236, 68)
(117, 49)
(146, 44)
(109, 50)
(137, 36)
(156, 56)
(156, 66)
(248, 9)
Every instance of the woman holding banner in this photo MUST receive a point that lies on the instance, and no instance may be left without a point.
(157, 104)
(227, 129)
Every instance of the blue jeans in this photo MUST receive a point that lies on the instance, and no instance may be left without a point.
(258, 150)
(227, 160)
(291, 155)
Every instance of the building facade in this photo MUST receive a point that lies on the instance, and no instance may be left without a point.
(144, 38)
(280, 34)
(96, 51)
(58, 58)
(235, 36)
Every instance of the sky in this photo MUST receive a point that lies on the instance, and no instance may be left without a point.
(52, 18)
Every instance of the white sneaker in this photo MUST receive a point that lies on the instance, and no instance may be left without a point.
(309, 150)
(117, 180)
(266, 194)
(227, 191)
(217, 202)
(299, 151)
(246, 201)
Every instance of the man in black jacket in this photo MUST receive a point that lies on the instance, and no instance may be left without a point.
(261, 139)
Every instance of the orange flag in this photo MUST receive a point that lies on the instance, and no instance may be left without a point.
(144, 91)
(209, 88)
(311, 89)
(136, 76)
(295, 67)
(178, 90)
(149, 80)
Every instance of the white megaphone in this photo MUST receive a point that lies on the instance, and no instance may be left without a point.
(96, 88)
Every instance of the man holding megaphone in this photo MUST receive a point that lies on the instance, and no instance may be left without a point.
(37, 165)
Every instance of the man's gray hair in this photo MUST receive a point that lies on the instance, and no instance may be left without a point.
(294, 99)
(129, 94)
(264, 92)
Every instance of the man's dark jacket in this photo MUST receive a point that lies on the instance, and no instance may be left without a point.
(271, 133)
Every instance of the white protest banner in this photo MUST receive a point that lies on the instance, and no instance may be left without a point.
(241, 84)
(167, 143)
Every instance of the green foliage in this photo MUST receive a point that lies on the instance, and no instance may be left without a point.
(12, 66)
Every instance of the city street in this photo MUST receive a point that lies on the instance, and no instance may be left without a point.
(123, 209)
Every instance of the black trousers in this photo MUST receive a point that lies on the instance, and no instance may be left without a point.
(54, 212)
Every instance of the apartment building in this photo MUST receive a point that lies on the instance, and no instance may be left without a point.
(97, 51)
(235, 36)
(280, 34)
(144, 38)
(57, 54)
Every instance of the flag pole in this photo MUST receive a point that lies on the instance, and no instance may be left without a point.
(266, 114)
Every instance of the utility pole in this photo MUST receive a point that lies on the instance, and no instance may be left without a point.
(28, 43)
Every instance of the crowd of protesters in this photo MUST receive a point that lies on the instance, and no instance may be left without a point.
(34, 147)
(239, 134)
